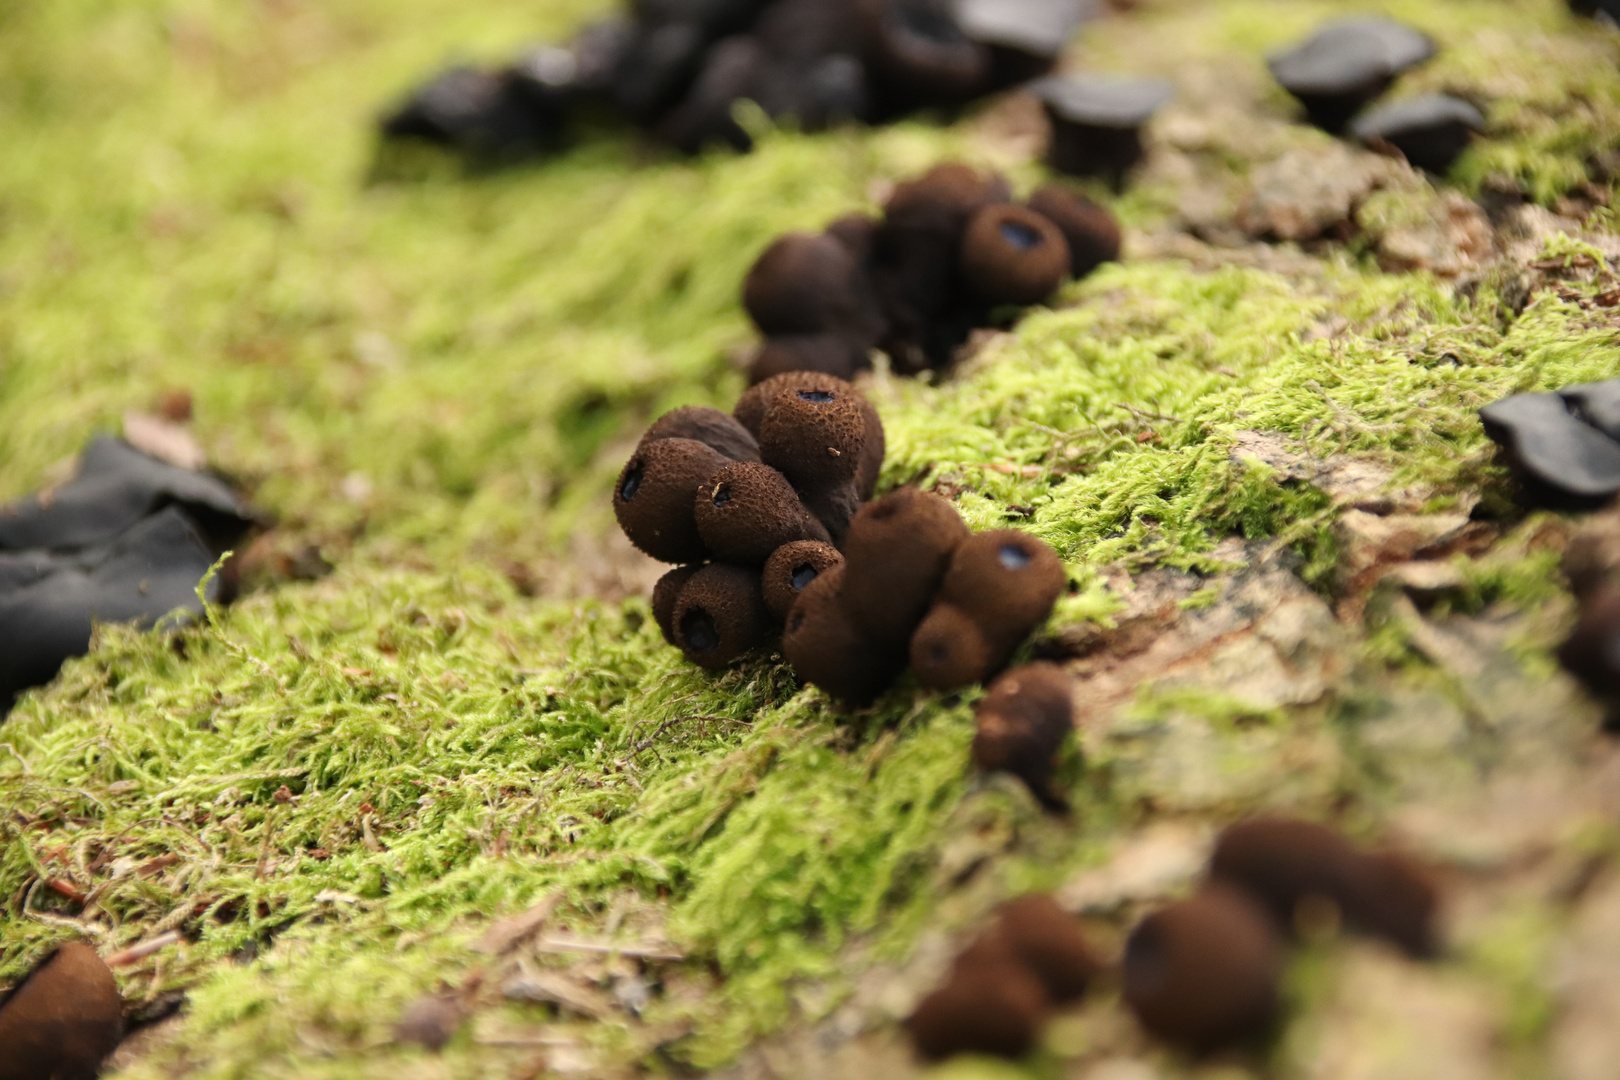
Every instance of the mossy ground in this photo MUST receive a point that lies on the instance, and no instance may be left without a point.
(429, 372)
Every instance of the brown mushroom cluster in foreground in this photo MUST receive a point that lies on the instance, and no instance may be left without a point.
(1202, 974)
(952, 249)
(917, 588)
(62, 1020)
(765, 514)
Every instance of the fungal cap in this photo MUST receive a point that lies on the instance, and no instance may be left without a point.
(664, 595)
(720, 615)
(653, 497)
(815, 437)
(751, 407)
(949, 651)
(1007, 580)
(747, 510)
(803, 283)
(791, 568)
(64, 1019)
(1013, 255)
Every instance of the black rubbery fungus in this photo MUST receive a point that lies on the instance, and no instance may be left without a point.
(790, 570)
(826, 647)
(1284, 863)
(1020, 726)
(1430, 131)
(1091, 232)
(1203, 973)
(63, 1020)
(717, 430)
(807, 283)
(1048, 941)
(665, 593)
(746, 510)
(1097, 121)
(1345, 64)
(991, 1004)
(919, 55)
(1007, 581)
(896, 553)
(720, 615)
(654, 495)
(1013, 255)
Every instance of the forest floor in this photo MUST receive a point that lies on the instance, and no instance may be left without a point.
(438, 748)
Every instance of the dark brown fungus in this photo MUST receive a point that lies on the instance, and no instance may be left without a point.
(654, 494)
(1048, 941)
(1007, 580)
(1092, 233)
(950, 651)
(1203, 973)
(665, 593)
(1097, 121)
(1346, 63)
(814, 436)
(826, 648)
(807, 283)
(897, 552)
(1293, 867)
(856, 232)
(1020, 726)
(919, 55)
(721, 615)
(747, 510)
(1013, 255)
(833, 354)
(1430, 131)
(715, 429)
(750, 409)
(991, 1004)
(63, 1020)
(791, 568)
(1591, 653)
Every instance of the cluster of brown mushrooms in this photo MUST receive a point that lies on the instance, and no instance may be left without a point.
(952, 252)
(1204, 973)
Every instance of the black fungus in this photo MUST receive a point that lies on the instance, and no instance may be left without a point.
(828, 649)
(790, 570)
(1559, 459)
(115, 487)
(918, 55)
(856, 232)
(733, 69)
(654, 495)
(746, 510)
(1347, 63)
(1048, 941)
(1294, 868)
(833, 354)
(665, 594)
(46, 616)
(715, 429)
(1430, 131)
(990, 1004)
(1025, 37)
(1597, 404)
(489, 114)
(1203, 973)
(1021, 724)
(720, 615)
(63, 1020)
(1013, 255)
(896, 554)
(1097, 121)
(1091, 232)
(660, 63)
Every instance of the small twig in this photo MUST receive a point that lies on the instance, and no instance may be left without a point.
(136, 953)
(644, 744)
(635, 952)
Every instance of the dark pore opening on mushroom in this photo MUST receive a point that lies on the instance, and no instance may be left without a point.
(632, 482)
(804, 575)
(1143, 968)
(1020, 235)
(722, 494)
(818, 397)
(698, 631)
(1013, 557)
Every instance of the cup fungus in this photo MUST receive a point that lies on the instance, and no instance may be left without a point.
(1091, 232)
(746, 510)
(63, 1020)
(826, 646)
(720, 615)
(1097, 121)
(949, 650)
(1293, 867)
(1025, 37)
(1430, 131)
(1345, 64)
(791, 568)
(665, 593)
(653, 498)
(808, 283)
(1013, 255)
(713, 428)
(991, 1004)
(1020, 726)
(1048, 941)
(896, 555)
(1007, 581)
(919, 55)
(1560, 458)
(1203, 973)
